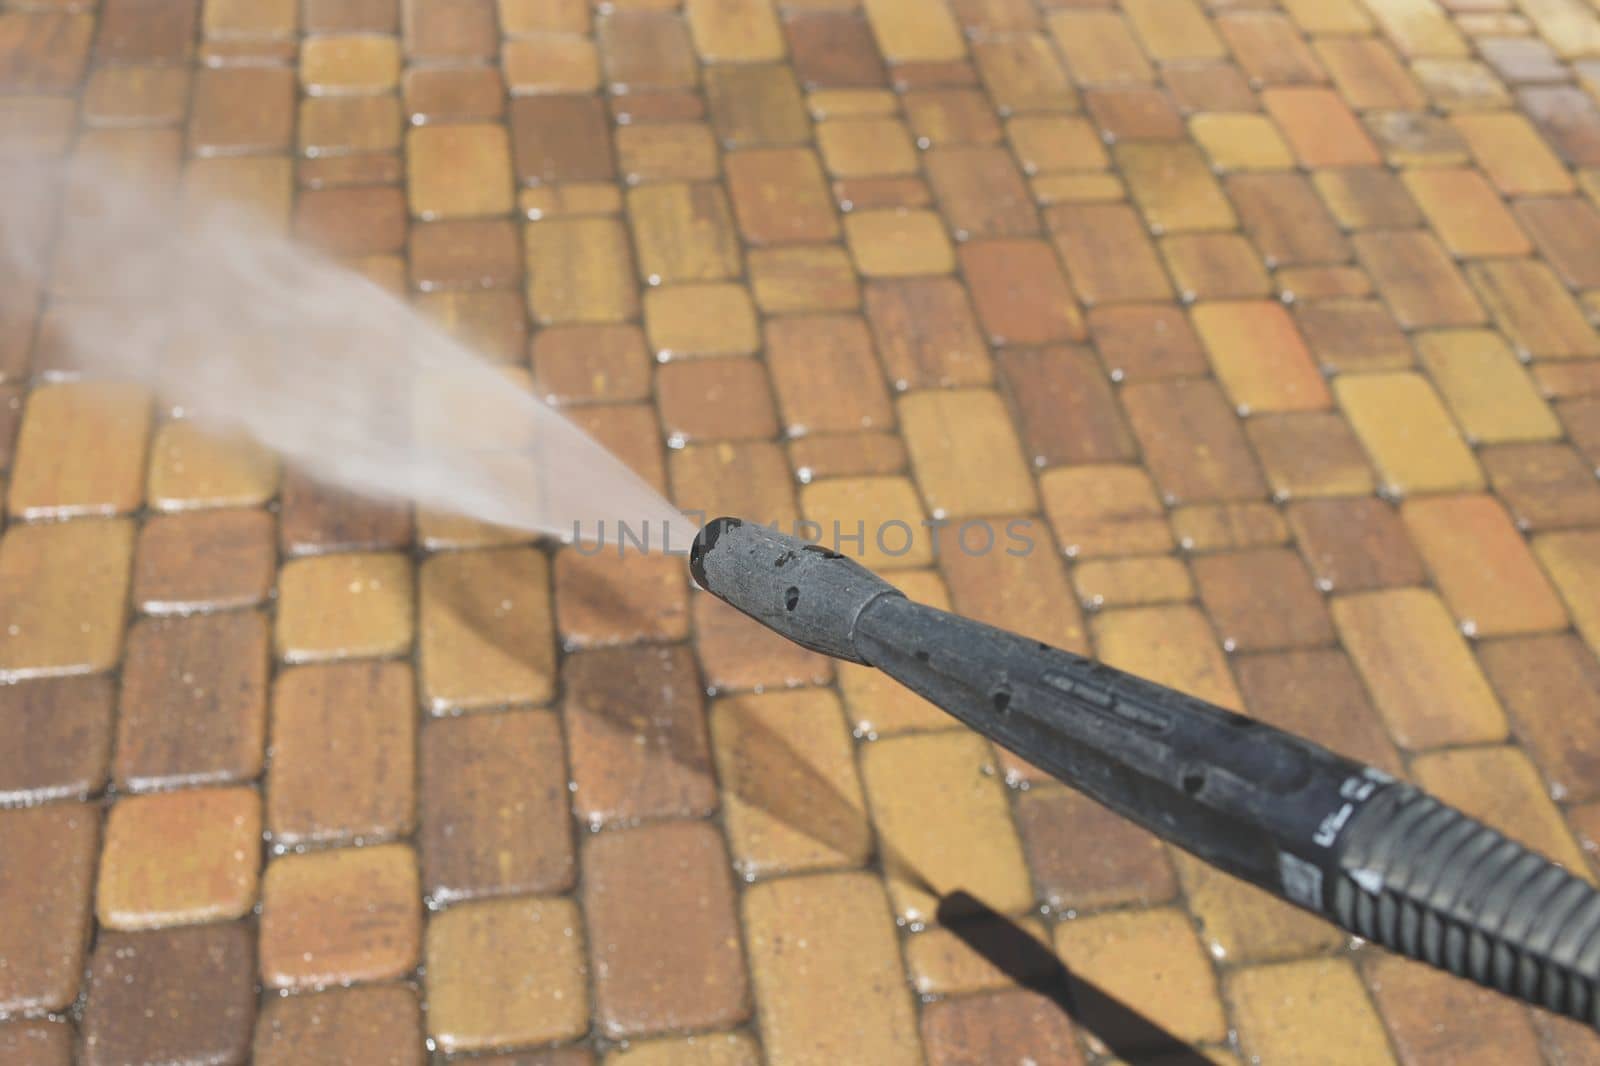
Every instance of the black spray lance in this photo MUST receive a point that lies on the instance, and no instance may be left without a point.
(1343, 840)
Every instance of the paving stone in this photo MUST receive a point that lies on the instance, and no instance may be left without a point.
(1134, 113)
(1143, 342)
(779, 196)
(1309, 454)
(748, 478)
(825, 375)
(1355, 544)
(338, 606)
(241, 110)
(1085, 857)
(1412, 997)
(62, 594)
(37, 1043)
(179, 858)
(999, 1027)
(1465, 212)
(448, 29)
(1104, 510)
(944, 824)
(709, 1049)
(642, 930)
(1317, 694)
(375, 1022)
(1262, 600)
(1023, 74)
(453, 94)
(846, 455)
(819, 947)
(1108, 256)
(944, 117)
(802, 278)
(927, 333)
(1486, 388)
(979, 953)
(485, 629)
(341, 916)
(628, 767)
(1006, 573)
(191, 469)
(506, 972)
(951, 434)
(1150, 958)
(1512, 154)
(1532, 308)
(756, 104)
(193, 706)
(898, 243)
(1135, 582)
(1286, 1007)
(1417, 279)
(1066, 409)
(1406, 649)
(199, 980)
(1567, 118)
(1319, 127)
(1563, 228)
(1482, 565)
(61, 730)
(1191, 442)
(314, 518)
(51, 880)
(1210, 527)
(1545, 486)
(1172, 646)
(1499, 786)
(1353, 335)
(1422, 451)
(80, 450)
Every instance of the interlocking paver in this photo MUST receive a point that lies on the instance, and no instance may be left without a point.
(1220, 308)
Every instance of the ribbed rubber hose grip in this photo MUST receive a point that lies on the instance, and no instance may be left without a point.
(1427, 881)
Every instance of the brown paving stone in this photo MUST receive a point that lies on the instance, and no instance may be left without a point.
(1020, 291)
(999, 1027)
(1099, 48)
(951, 435)
(818, 949)
(1084, 857)
(1285, 1008)
(1405, 647)
(495, 815)
(179, 858)
(1353, 335)
(61, 739)
(1214, 266)
(335, 126)
(779, 196)
(846, 455)
(833, 49)
(1173, 187)
(1482, 566)
(581, 364)
(506, 972)
(643, 930)
(465, 254)
(1134, 113)
(214, 560)
(1262, 600)
(1417, 279)
(335, 606)
(1565, 229)
(1191, 442)
(1269, 48)
(1484, 1028)
(313, 518)
(1317, 694)
(618, 594)
(1417, 451)
(866, 194)
(981, 192)
(1108, 256)
(1150, 958)
(1066, 410)
(342, 764)
(241, 110)
(62, 593)
(748, 478)
(926, 332)
(198, 980)
(645, 50)
(1299, 284)
(484, 629)
(683, 232)
(707, 1049)
(716, 399)
(1309, 454)
(755, 104)
(329, 917)
(737, 654)
(376, 1022)
(1545, 486)
(1367, 198)
(629, 766)
(136, 95)
(802, 278)
(1567, 118)
(344, 16)
(1576, 577)
(36, 1043)
(80, 450)
(1355, 544)
(453, 94)
(825, 375)
(193, 705)
(1145, 342)
(449, 29)
(1285, 220)
(50, 880)
(1548, 685)
(873, 519)
(560, 138)
(1533, 309)
(1414, 140)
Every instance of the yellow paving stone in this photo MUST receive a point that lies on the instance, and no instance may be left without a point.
(1407, 432)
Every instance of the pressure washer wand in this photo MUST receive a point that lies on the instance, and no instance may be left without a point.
(1343, 840)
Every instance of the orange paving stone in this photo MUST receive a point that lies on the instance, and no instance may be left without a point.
(1272, 327)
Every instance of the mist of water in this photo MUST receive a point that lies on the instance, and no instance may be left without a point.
(250, 334)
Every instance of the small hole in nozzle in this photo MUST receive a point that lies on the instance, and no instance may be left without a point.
(1194, 781)
(922, 656)
(791, 598)
(1001, 698)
